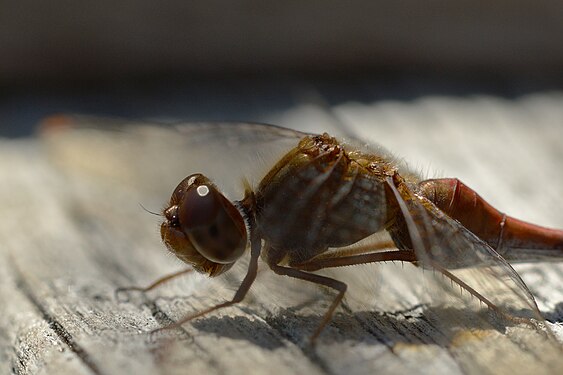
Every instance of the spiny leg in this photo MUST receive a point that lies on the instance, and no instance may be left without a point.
(317, 279)
(476, 294)
(349, 260)
(155, 284)
(396, 255)
(239, 295)
(362, 249)
(462, 284)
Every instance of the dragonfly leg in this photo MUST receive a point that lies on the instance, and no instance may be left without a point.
(152, 286)
(337, 260)
(349, 260)
(363, 249)
(473, 292)
(239, 295)
(462, 284)
(316, 279)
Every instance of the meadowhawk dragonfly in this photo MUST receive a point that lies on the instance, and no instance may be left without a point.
(303, 202)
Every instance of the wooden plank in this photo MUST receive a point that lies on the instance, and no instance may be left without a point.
(67, 247)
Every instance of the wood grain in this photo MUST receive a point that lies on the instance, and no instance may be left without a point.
(67, 246)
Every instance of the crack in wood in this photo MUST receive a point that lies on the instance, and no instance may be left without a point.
(53, 323)
(307, 350)
(377, 334)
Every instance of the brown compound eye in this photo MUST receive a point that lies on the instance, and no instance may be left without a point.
(213, 225)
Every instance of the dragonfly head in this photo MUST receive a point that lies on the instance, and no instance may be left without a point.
(202, 227)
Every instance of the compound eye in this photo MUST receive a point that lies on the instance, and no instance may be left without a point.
(198, 207)
(213, 224)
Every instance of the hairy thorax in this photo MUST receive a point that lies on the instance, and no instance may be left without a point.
(319, 195)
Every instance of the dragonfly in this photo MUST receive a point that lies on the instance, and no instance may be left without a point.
(306, 200)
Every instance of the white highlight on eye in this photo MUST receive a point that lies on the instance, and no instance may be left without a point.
(191, 180)
(202, 190)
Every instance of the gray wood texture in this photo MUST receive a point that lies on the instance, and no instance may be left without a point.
(68, 243)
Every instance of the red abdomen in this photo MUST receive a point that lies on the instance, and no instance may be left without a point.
(514, 239)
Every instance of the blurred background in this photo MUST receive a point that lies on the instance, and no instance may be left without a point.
(244, 60)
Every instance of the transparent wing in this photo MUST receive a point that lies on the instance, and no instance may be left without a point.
(443, 243)
(113, 165)
(470, 279)
(153, 158)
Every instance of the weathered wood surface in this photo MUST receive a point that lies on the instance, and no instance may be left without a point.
(66, 247)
